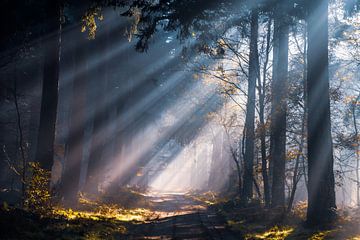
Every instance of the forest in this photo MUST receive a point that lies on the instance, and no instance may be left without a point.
(180, 119)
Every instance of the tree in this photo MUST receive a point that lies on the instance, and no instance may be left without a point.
(49, 99)
(262, 102)
(71, 175)
(100, 115)
(321, 190)
(247, 191)
(279, 104)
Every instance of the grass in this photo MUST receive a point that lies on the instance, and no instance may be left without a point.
(259, 223)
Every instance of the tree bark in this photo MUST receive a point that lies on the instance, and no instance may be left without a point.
(101, 111)
(357, 149)
(49, 99)
(321, 194)
(247, 191)
(279, 106)
(261, 93)
(72, 169)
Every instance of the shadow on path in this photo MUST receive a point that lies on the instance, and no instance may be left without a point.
(181, 218)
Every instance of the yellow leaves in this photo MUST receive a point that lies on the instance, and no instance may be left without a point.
(275, 233)
(208, 198)
(105, 212)
(89, 22)
(86, 201)
(38, 197)
(293, 154)
(320, 235)
(136, 14)
(300, 209)
(221, 43)
(351, 99)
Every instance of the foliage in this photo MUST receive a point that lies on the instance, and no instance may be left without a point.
(275, 233)
(208, 198)
(105, 212)
(97, 210)
(300, 209)
(38, 197)
(89, 21)
(20, 224)
(320, 235)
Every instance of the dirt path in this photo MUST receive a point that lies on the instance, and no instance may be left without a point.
(186, 219)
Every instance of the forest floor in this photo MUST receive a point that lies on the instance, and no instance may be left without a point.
(170, 216)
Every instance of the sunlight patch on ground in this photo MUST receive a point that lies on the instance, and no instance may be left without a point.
(208, 198)
(97, 211)
(163, 194)
(321, 235)
(275, 233)
(105, 213)
(355, 238)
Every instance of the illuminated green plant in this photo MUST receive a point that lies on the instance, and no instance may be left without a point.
(38, 197)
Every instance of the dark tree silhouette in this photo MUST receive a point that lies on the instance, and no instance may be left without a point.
(49, 99)
(321, 190)
(71, 175)
(279, 104)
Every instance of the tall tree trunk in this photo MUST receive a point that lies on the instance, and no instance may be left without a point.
(261, 93)
(278, 107)
(72, 169)
(247, 191)
(49, 99)
(305, 101)
(99, 130)
(321, 194)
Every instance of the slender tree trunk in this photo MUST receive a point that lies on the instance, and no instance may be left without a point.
(296, 177)
(278, 107)
(236, 158)
(214, 176)
(238, 169)
(321, 194)
(49, 99)
(21, 136)
(305, 100)
(300, 156)
(247, 191)
(261, 93)
(357, 150)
